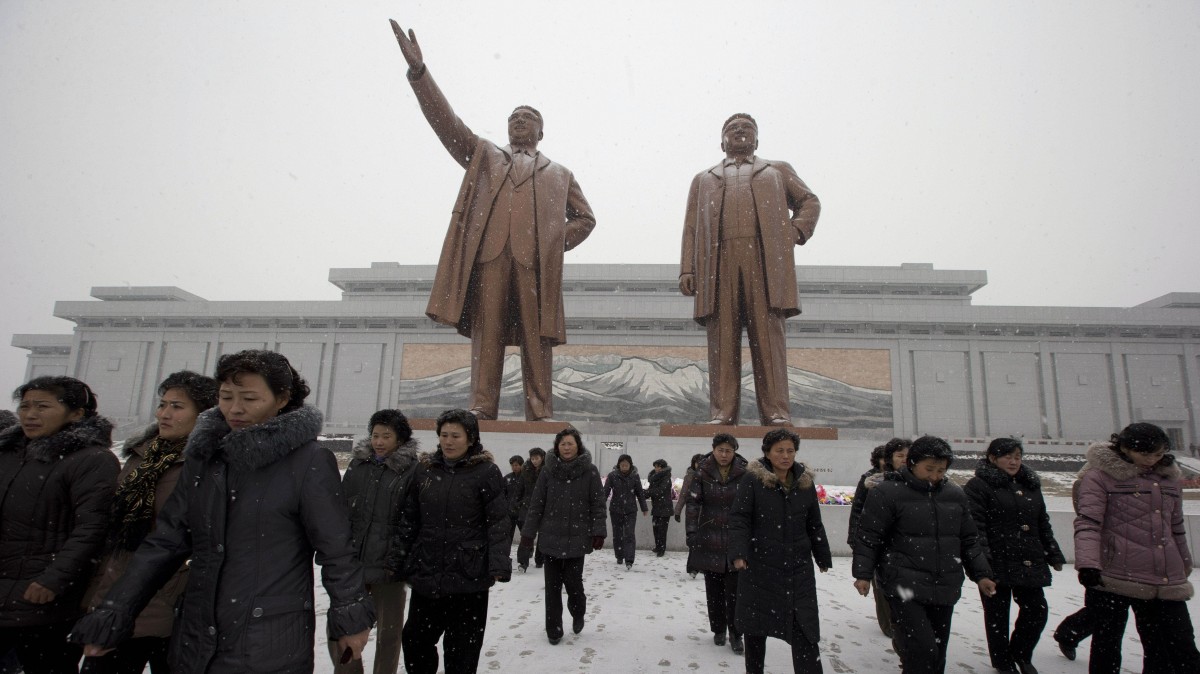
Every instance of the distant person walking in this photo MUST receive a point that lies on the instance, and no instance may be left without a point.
(625, 487)
(660, 503)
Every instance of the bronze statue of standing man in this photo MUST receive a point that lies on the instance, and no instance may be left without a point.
(744, 217)
(499, 278)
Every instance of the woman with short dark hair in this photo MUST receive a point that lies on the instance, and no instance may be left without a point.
(260, 498)
(567, 510)
(775, 534)
(375, 486)
(57, 478)
(153, 463)
(1131, 551)
(625, 486)
(1015, 534)
(453, 546)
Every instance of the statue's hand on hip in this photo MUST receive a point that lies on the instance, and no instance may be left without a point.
(687, 284)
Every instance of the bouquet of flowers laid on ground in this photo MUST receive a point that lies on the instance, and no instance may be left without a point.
(834, 496)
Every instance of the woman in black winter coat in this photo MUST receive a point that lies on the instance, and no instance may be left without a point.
(375, 486)
(258, 496)
(530, 473)
(916, 537)
(57, 478)
(688, 475)
(453, 547)
(709, 509)
(625, 486)
(659, 492)
(892, 457)
(567, 510)
(1015, 534)
(775, 534)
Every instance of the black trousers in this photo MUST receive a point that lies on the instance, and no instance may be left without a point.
(560, 572)
(624, 541)
(922, 635)
(721, 591)
(513, 527)
(131, 657)
(1165, 627)
(461, 617)
(1074, 628)
(806, 656)
(1004, 649)
(660, 533)
(43, 649)
(524, 553)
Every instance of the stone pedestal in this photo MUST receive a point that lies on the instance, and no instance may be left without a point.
(755, 432)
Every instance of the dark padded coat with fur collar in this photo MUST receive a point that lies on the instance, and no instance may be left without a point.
(252, 507)
(55, 497)
(778, 530)
(454, 537)
(1014, 527)
(375, 492)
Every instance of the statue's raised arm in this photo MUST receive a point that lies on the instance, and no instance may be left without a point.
(458, 138)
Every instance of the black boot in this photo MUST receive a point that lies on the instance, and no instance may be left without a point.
(719, 638)
(577, 624)
(735, 642)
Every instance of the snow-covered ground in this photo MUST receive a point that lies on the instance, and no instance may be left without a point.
(652, 619)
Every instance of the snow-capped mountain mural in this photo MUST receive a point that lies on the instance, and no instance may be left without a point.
(648, 391)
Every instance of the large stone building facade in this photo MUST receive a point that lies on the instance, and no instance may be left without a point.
(878, 351)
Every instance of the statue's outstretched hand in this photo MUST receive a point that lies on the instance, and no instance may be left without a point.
(408, 46)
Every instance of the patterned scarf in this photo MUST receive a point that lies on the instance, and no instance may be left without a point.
(133, 507)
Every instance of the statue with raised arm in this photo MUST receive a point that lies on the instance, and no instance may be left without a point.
(744, 217)
(499, 278)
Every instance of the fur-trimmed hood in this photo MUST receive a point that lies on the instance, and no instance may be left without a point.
(802, 477)
(1103, 456)
(875, 479)
(93, 430)
(133, 444)
(478, 456)
(991, 474)
(400, 460)
(568, 470)
(255, 447)
(659, 476)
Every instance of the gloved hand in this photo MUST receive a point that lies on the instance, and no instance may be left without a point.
(677, 517)
(527, 542)
(597, 542)
(1089, 577)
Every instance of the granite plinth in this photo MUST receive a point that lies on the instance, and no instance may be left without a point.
(757, 432)
(500, 426)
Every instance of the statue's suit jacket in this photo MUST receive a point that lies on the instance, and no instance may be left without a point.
(564, 218)
(778, 193)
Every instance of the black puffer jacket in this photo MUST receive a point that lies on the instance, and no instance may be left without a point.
(251, 508)
(567, 507)
(919, 537)
(856, 506)
(627, 492)
(455, 537)
(529, 478)
(1014, 528)
(660, 493)
(55, 497)
(709, 506)
(375, 492)
(514, 491)
(778, 531)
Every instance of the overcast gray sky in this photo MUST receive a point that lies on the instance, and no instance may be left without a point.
(239, 150)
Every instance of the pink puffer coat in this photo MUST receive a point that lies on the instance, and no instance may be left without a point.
(1130, 526)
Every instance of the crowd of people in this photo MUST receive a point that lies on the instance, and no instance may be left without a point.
(196, 554)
